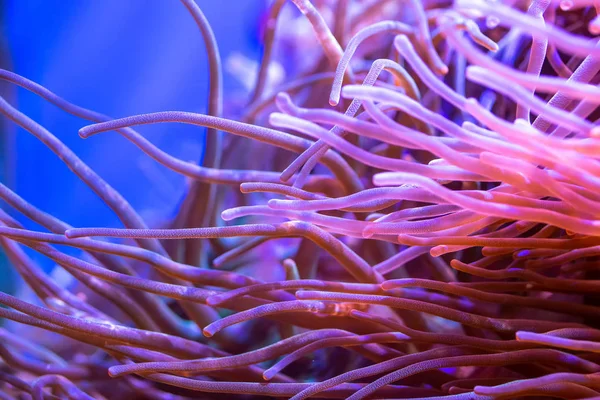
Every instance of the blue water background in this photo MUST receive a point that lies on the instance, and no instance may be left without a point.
(118, 57)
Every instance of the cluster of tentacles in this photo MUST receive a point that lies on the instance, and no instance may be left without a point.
(412, 213)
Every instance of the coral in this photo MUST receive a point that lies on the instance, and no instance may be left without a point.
(412, 212)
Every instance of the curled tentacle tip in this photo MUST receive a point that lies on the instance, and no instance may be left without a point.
(227, 215)
(522, 225)
(116, 371)
(71, 234)
(523, 335)
(208, 331)
(402, 39)
(87, 131)
(277, 204)
(214, 300)
(442, 69)
(468, 124)
(368, 232)
(594, 26)
(284, 103)
(334, 99)
(268, 375)
(438, 251)
(275, 119)
(471, 101)
(285, 177)
(483, 390)
(403, 238)
(272, 203)
(350, 91)
(282, 97)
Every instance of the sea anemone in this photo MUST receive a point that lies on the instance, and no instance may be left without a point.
(404, 208)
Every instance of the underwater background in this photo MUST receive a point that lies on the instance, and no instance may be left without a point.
(120, 58)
